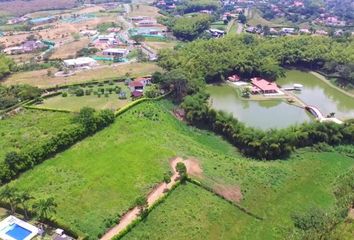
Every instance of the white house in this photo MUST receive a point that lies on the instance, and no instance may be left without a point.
(82, 62)
(116, 52)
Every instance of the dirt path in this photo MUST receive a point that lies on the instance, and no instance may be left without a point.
(325, 80)
(153, 196)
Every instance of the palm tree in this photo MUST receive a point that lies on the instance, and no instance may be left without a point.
(23, 198)
(44, 207)
(9, 195)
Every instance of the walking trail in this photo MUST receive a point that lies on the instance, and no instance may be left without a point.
(153, 196)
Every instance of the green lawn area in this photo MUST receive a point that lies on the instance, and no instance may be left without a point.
(75, 103)
(30, 127)
(255, 19)
(105, 173)
(190, 212)
(218, 25)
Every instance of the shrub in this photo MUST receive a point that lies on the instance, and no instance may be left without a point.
(79, 92)
(64, 94)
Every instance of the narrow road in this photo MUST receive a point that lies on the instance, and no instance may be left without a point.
(153, 196)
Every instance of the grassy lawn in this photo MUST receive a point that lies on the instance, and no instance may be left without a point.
(105, 173)
(255, 19)
(75, 103)
(28, 127)
(41, 79)
(218, 25)
(191, 212)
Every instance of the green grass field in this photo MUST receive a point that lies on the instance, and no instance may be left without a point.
(75, 103)
(30, 127)
(105, 173)
(272, 190)
(190, 212)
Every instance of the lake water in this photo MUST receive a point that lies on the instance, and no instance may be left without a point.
(277, 113)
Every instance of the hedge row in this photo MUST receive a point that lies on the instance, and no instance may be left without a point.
(18, 162)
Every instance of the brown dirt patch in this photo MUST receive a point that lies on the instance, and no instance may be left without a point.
(351, 213)
(232, 193)
(194, 168)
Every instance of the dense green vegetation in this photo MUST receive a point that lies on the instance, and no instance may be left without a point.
(249, 56)
(29, 128)
(189, 28)
(13, 95)
(189, 6)
(6, 66)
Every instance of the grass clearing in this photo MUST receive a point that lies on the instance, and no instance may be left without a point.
(41, 79)
(120, 163)
(105, 173)
(144, 10)
(28, 127)
(75, 103)
(191, 212)
(69, 50)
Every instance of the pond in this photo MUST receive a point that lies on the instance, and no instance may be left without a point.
(319, 94)
(277, 113)
(260, 114)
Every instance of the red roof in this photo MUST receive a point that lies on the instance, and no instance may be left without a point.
(136, 83)
(264, 85)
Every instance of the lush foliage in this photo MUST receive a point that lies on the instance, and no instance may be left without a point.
(6, 66)
(189, 6)
(248, 56)
(12, 95)
(190, 27)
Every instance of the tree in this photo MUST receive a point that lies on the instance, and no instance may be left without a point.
(23, 200)
(143, 205)
(45, 207)
(87, 119)
(182, 171)
(242, 18)
(137, 38)
(9, 194)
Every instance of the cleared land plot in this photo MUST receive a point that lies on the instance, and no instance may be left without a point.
(144, 10)
(255, 19)
(105, 173)
(190, 212)
(30, 127)
(161, 45)
(41, 79)
(69, 50)
(75, 103)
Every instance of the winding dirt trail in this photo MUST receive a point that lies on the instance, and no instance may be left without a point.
(153, 196)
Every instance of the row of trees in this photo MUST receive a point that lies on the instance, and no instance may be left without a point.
(12, 95)
(14, 198)
(247, 55)
(89, 121)
(267, 145)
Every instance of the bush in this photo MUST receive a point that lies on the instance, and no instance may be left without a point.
(79, 92)
(87, 92)
(64, 94)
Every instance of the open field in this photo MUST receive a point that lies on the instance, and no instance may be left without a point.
(161, 45)
(74, 103)
(41, 79)
(117, 162)
(68, 50)
(255, 19)
(28, 127)
(111, 164)
(144, 10)
(191, 212)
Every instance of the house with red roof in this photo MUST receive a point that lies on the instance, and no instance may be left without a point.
(139, 84)
(262, 86)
